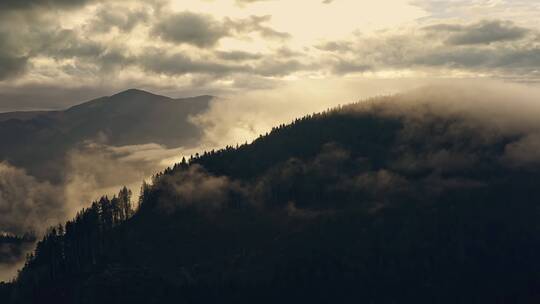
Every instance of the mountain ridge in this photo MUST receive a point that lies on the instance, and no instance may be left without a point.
(130, 93)
(130, 117)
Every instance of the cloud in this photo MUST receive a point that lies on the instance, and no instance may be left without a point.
(11, 66)
(524, 12)
(120, 44)
(27, 204)
(205, 31)
(238, 55)
(461, 124)
(13, 250)
(277, 67)
(8, 271)
(241, 3)
(521, 60)
(191, 28)
(13, 62)
(336, 46)
(237, 63)
(31, 205)
(494, 48)
(484, 32)
(380, 182)
(124, 19)
(195, 187)
(36, 41)
(524, 152)
(244, 115)
(157, 61)
(255, 24)
(27, 4)
(67, 43)
(347, 67)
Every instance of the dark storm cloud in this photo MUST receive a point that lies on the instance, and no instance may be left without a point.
(484, 32)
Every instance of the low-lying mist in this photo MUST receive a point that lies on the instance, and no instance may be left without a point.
(492, 109)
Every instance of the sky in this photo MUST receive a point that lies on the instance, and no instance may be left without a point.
(56, 53)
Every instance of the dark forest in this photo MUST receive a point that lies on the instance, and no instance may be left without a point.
(353, 205)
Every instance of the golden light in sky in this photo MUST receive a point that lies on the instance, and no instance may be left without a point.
(223, 47)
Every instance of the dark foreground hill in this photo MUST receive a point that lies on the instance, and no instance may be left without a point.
(38, 141)
(361, 204)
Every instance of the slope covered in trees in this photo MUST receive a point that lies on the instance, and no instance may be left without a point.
(359, 204)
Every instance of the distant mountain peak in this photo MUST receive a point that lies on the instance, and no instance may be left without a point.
(136, 93)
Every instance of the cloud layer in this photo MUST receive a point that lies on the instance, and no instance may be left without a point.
(231, 46)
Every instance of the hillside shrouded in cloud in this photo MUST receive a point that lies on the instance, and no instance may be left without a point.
(95, 95)
(411, 197)
(100, 165)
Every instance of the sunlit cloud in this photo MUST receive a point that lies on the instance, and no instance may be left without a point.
(228, 46)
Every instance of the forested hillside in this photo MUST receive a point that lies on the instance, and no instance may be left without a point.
(360, 204)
